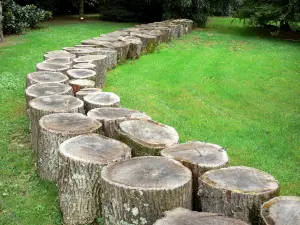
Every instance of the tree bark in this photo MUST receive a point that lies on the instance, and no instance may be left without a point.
(111, 117)
(50, 67)
(146, 137)
(86, 91)
(55, 129)
(180, 216)
(58, 54)
(84, 74)
(237, 192)
(100, 100)
(46, 77)
(79, 84)
(139, 190)
(79, 175)
(42, 106)
(199, 157)
(283, 210)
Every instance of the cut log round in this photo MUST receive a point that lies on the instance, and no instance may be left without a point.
(187, 24)
(46, 77)
(199, 157)
(79, 84)
(83, 74)
(58, 54)
(89, 66)
(87, 91)
(94, 42)
(61, 60)
(42, 106)
(116, 33)
(122, 49)
(139, 190)
(85, 46)
(166, 33)
(283, 210)
(110, 118)
(146, 137)
(181, 216)
(107, 38)
(100, 100)
(237, 192)
(71, 49)
(111, 54)
(149, 41)
(135, 47)
(46, 89)
(81, 161)
(83, 52)
(54, 130)
(157, 33)
(52, 67)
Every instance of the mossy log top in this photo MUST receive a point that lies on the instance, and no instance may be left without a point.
(46, 77)
(182, 216)
(109, 113)
(52, 67)
(58, 54)
(89, 66)
(81, 74)
(60, 60)
(283, 210)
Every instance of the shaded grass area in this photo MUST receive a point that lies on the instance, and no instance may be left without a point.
(226, 84)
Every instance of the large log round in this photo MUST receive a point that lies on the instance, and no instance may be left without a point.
(112, 56)
(140, 190)
(54, 130)
(283, 210)
(94, 42)
(79, 84)
(146, 137)
(42, 106)
(81, 161)
(122, 49)
(110, 118)
(187, 24)
(199, 157)
(149, 41)
(52, 67)
(60, 60)
(84, 74)
(83, 52)
(181, 216)
(88, 66)
(107, 38)
(100, 100)
(58, 54)
(87, 91)
(237, 192)
(46, 77)
(135, 47)
(85, 46)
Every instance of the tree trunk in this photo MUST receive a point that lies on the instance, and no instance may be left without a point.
(84, 74)
(101, 100)
(111, 117)
(58, 54)
(1, 26)
(50, 67)
(146, 137)
(81, 160)
(46, 77)
(55, 129)
(283, 210)
(180, 216)
(199, 157)
(79, 84)
(86, 91)
(237, 192)
(140, 190)
(42, 106)
(135, 46)
(81, 10)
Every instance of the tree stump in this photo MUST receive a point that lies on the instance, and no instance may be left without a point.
(199, 157)
(107, 38)
(46, 89)
(283, 210)
(83, 52)
(166, 33)
(93, 42)
(135, 46)
(61, 60)
(139, 190)
(54, 130)
(237, 192)
(111, 117)
(116, 33)
(149, 42)
(88, 66)
(71, 49)
(180, 216)
(146, 137)
(52, 67)
(83, 74)
(101, 100)
(42, 106)
(187, 24)
(156, 33)
(87, 91)
(79, 84)
(58, 54)
(46, 77)
(122, 49)
(85, 46)
(111, 54)
(81, 160)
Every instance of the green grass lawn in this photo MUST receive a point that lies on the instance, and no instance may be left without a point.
(226, 85)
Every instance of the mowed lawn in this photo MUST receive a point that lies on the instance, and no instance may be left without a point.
(224, 84)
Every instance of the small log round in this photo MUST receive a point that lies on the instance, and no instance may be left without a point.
(42, 106)
(46, 77)
(61, 60)
(140, 190)
(54, 130)
(146, 137)
(46, 89)
(122, 49)
(181, 216)
(237, 192)
(135, 47)
(58, 54)
(81, 161)
(149, 41)
(283, 210)
(100, 100)
(52, 67)
(110, 118)
(87, 91)
(199, 157)
(83, 74)
(88, 66)
(79, 84)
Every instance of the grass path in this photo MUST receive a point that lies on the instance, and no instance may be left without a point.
(224, 85)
